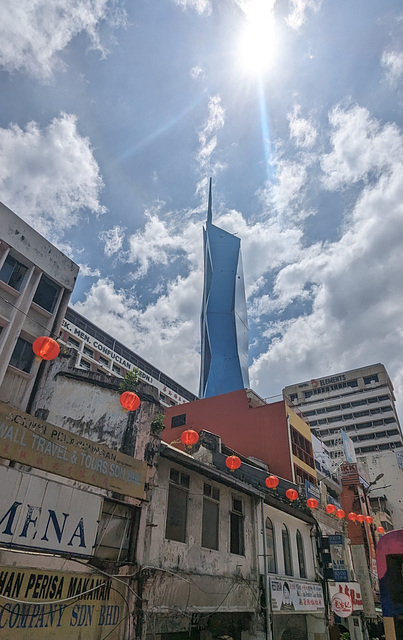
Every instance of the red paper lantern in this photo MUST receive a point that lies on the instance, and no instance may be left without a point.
(271, 482)
(340, 513)
(330, 508)
(380, 530)
(369, 519)
(129, 401)
(352, 516)
(46, 348)
(360, 518)
(291, 494)
(312, 503)
(189, 437)
(233, 462)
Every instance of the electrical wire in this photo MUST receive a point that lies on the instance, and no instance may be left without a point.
(26, 314)
(78, 595)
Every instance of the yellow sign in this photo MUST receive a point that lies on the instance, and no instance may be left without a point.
(58, 606)
(39, 444)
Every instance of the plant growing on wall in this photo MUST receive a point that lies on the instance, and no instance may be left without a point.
(130, 381)
(157, 424)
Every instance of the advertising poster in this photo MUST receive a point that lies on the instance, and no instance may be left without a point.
(60, 606)
(287, 595)
(338, 556)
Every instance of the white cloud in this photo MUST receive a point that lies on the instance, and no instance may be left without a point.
(87, 271)
(298, 9)
(196, 72)
(34, 32)
(113, 239)
(392, 61)
(354, 285)
(302, 131)
(207, 136)
(47, 175)
(201, 6)
(362, 148)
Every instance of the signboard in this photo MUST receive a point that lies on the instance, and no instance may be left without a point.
(39, 444)
(39, 513)
(352, 590)
(341, 605)
(47, 604)
(312, 490)
(338, 556)
(348, 446)
(399, 458)
(349, 473)
(287, 595)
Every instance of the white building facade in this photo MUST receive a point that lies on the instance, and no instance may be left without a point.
(36, 280)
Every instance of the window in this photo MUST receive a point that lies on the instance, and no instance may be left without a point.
(12, 272)
(270, 547)
(237, 544)
(210, 521)
(286, 551)
(23, 356)
(369, 379)
(178, 421)
(88, 352)
(46, 294)
(85, 365)
(301, 555)
(73, 342)
(116, 369)
(177, 506)
(116, 531)
(104, 361)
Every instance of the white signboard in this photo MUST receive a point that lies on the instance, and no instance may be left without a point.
(352, 590)
(341, 605)
(41, 514)
(287, 595)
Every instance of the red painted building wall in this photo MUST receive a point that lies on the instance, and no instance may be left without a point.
(260, 431)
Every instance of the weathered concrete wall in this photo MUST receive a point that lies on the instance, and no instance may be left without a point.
(29, 243)
(87, 404)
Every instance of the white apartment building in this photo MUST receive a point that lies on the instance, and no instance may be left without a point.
(100, 352)
(360, 401)
(36, 281)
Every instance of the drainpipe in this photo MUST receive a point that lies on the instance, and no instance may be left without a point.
(267, 597)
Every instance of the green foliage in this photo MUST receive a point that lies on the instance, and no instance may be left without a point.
(345, 636)
(130, 381)
(158, 423)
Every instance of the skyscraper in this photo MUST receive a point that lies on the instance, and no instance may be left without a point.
(224, 323)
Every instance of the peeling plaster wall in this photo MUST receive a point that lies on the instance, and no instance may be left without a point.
(87, 404)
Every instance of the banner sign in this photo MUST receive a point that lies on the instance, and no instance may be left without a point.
(39, 444)
(289, 595)
(348, 446)
(41, 514)
(338, 556)
(59, 605)
(349, 473)
(350, 589)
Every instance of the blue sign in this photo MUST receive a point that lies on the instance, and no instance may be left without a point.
(340, 575)
(312, 490)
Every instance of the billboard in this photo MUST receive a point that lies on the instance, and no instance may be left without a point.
(287, 595)
(40, 514)
(58, 605)
(39, 444)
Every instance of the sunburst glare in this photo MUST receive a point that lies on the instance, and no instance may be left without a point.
(259, 42)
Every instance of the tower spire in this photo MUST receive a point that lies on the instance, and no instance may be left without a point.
(210, 202)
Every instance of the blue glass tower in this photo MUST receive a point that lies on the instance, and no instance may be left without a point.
(224, 322)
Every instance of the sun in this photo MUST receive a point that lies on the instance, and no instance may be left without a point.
(258, 44)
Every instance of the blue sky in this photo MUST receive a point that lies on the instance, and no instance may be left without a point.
(115, 113)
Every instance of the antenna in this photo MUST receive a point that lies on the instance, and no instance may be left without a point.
(210, 202)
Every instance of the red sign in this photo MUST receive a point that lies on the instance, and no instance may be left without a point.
(342, 605)
(349, 473)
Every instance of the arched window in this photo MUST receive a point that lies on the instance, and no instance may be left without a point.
(301, 555)
(286, 551)
(270, 547)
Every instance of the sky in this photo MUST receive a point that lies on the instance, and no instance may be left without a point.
(114, 114)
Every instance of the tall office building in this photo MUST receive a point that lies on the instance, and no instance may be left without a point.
(361, 402)
(224, 324)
